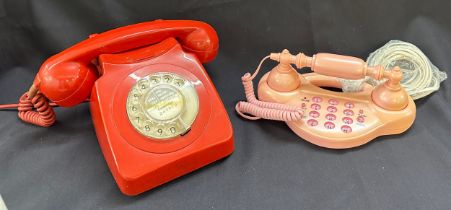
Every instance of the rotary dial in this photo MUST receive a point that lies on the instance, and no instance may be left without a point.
(162, 105)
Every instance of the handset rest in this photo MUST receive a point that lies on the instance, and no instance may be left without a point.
(67, 77)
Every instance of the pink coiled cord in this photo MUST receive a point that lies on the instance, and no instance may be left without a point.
(261, 109)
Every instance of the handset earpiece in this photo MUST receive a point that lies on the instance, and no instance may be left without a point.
(203, 42)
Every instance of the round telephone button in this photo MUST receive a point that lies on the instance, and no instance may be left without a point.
(348, 112)
(315, 106)
(312, 122)
(314, 114)
(360, 119)
(317, 99)
(349, 105)
(332, 109)
(347, 120)
(333, 101)
(329, 125)
(331, 117)
(346, 129)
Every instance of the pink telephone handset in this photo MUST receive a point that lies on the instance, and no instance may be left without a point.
(323, 117)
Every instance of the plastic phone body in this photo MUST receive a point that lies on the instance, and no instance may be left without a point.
(157, 114)
(324, 117)
(336, 119)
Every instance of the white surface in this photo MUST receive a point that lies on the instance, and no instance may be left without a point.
(2, 204)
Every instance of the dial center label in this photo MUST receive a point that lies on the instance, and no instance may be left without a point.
(164, 103)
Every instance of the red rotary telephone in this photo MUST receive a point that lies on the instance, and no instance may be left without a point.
(156, 112)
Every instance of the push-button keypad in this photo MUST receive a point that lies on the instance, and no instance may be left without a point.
(340, 115)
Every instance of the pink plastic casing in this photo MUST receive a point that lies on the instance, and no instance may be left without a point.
(335, 119)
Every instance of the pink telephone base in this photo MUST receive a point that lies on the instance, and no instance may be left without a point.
(334, 119)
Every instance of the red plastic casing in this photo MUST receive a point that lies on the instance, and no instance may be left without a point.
(139, 163)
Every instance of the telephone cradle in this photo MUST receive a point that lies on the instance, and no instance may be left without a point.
(324, 117)
(156, 113)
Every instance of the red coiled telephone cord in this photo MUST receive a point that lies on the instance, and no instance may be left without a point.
(36, 110)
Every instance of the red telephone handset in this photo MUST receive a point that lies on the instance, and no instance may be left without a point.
(67, 77)
(156, 113)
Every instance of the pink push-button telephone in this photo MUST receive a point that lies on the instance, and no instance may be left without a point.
(323, 117)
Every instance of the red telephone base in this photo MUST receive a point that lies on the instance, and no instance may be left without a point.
(140, 163)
